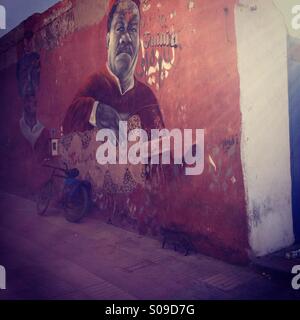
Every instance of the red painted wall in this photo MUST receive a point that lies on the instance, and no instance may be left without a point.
(200, 91)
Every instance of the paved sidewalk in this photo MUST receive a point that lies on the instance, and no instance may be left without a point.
(50, 258)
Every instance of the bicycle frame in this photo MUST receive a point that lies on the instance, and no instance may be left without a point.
(71, 192)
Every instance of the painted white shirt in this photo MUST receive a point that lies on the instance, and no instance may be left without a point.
(92, 120)
(31, 135)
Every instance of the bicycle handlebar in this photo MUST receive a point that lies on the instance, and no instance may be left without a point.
(59, 176)
(55, 168)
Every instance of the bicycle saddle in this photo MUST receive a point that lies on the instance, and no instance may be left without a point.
(72, 173)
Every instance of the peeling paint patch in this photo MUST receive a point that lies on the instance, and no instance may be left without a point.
(211, 161)
(146, 5)
(57, 13)
(172, 14)
(255, 216)
(89, 12)
(51, 35)
(157, 72)
(233, 179)
(191, 5)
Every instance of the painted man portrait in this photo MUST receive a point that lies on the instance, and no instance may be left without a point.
(29, 145)
(115, 94)
(35, 135)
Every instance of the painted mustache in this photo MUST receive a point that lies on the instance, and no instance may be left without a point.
(125, 49)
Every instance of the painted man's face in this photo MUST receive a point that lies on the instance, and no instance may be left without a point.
(28, 46)
(123, 39)
(30, 104)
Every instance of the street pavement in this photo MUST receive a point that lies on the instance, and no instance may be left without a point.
(50, 258)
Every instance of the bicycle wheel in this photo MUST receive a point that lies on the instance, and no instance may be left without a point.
(44, 197)
(77, 204)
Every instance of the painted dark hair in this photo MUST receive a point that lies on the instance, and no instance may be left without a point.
(113, 9)
(28, 35)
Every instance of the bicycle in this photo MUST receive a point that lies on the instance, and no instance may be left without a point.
(76, 194)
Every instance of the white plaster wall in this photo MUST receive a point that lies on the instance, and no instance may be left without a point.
(265, 150)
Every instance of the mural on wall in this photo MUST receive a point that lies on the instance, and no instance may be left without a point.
(106, 98)
(115, 94)
(27, 139)
(155, 64)
(28, 77)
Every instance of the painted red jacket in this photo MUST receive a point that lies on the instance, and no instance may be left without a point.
(103, 87)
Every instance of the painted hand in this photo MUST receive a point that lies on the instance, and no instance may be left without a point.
(108, 118)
